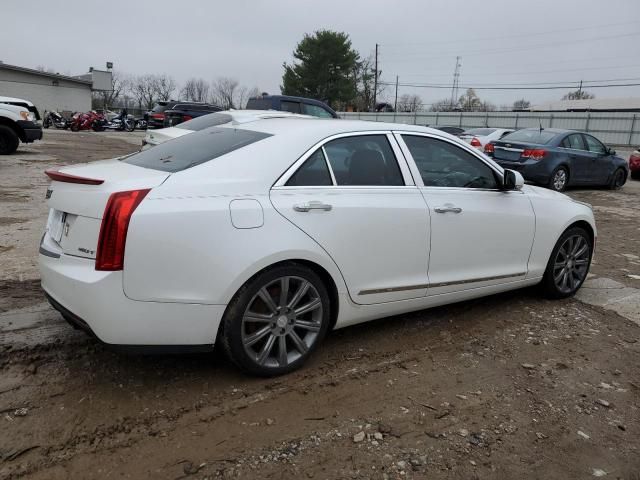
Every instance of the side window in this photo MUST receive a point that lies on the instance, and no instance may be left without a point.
(293, 107)
(594, 145)
(316, 111)
(313, 172)
(574, 141)
(443, 164)
(363, 160)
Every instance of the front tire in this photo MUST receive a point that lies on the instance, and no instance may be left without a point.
(559, 179)
(618, 180)
(276, 320)
(569, 264)
(9, 140)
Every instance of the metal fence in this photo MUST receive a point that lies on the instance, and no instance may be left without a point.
(614, 128)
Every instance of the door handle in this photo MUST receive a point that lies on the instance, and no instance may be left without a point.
(448, 209)
(305, 207)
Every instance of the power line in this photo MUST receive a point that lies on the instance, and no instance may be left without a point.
(557, 87)
(502, 37)
(476, 53)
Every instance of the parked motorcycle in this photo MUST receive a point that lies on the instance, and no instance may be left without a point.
(86, 121)
(118, 124)
(141, 124)
(54, 119)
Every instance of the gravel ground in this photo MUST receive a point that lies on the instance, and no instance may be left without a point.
(502, 387)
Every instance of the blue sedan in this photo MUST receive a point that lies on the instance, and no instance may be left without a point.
(559, 158)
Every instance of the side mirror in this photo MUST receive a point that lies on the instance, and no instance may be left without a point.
(512, 180)
(610, 151)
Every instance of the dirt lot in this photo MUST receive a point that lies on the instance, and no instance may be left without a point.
(509, 386)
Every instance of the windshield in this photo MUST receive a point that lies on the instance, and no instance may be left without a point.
(205, 121)
(191, 150)
(480, 131)
(530, 136)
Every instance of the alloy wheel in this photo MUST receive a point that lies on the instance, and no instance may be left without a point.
(560, 179)
(571, 264)
(282, 321)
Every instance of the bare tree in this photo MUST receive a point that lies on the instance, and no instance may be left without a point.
(443, 106)
(224, 92)
(164, 85)
(144, 91)
(409, 103)
(195, 90)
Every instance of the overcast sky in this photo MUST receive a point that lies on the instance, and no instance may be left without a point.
(500, 41)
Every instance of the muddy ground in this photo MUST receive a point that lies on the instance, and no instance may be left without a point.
(510, 386)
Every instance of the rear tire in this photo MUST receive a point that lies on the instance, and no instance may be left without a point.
(9, 140)
(559, 179)
(568, 264)
(618, 180)
(266, 332)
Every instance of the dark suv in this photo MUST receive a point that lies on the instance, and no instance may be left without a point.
(286, 103)
(173, 112)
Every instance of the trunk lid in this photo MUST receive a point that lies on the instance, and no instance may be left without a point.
(512, 151)
(76, 209)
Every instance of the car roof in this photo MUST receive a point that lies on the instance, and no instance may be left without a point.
(552, 130)
(302, 125)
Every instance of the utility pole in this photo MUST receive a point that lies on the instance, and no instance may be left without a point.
(375, 83)
(456, 78)
(580, 91)
(395, 104)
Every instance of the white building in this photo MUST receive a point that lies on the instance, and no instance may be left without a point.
(48, 91)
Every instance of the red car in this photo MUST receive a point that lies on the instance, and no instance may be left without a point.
(634, 164)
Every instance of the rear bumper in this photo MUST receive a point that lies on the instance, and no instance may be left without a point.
(531, 170)
(95, 302)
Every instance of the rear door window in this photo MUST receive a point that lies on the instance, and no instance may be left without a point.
(574, 141)
(288, 106)
(193, 149)
(313, 172)
(363, 160)
(316, 111)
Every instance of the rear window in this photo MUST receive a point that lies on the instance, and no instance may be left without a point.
(160, 107)
(259, 104)
(530, 136)
(206, 121)
(480, 131)
(191, 150)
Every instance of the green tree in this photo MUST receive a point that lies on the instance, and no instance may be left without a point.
(324, 67)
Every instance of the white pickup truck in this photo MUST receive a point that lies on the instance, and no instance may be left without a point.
(18, 123)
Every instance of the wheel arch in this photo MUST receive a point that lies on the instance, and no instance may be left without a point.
(330, 283)
(13, 126)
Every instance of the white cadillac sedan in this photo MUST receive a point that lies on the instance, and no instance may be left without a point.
(261, 237)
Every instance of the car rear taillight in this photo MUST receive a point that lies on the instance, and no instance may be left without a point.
(534, 153)
(158, 116)
(489, 148)
(475, 142)
(186, 117)
(113, 231)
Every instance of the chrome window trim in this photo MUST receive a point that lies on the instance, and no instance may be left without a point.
(400, 159)
(326, 161)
